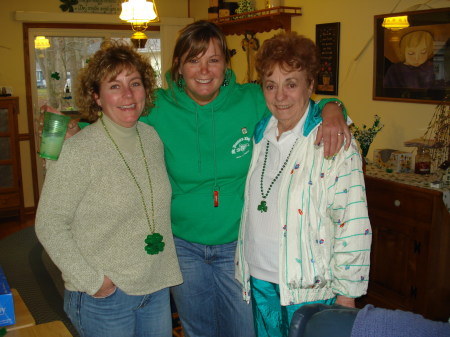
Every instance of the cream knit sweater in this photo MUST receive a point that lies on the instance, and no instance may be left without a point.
(91, 219)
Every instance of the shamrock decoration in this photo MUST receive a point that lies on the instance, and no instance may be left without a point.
(154, 243)
(68, 5)
(55, 75)
(262, 207)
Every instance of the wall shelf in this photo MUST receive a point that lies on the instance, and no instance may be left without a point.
(259, 21)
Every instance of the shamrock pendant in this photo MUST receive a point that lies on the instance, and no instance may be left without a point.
(262, 207)
(154, 243)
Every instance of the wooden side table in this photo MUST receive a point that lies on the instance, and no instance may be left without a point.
(52, 329)
(23, 316)
(410, 251)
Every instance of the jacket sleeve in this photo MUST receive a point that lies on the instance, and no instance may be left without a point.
(350, 262)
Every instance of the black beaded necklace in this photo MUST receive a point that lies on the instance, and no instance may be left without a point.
(262, 207)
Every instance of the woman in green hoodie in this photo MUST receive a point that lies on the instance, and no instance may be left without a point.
(206, 122)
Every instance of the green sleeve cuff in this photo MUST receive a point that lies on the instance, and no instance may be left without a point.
(324, 101)
(82, 125)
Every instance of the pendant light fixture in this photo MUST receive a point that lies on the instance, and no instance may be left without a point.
(139, 13)
(41, 42)
(395, 22)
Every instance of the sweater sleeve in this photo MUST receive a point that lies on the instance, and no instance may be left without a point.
(350, 260)
(65, 184)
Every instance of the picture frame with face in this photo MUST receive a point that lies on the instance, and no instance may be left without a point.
(412, 64)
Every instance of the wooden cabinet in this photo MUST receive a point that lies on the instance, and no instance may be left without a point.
(410, 261)
(11, 199)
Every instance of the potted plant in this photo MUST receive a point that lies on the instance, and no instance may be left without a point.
(365, 135)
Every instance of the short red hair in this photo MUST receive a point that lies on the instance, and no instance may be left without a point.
(291, 52)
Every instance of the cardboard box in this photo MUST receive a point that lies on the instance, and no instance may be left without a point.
(402, 161)
(7, 316)
(223, 12)
(397, 161)
(381, 158)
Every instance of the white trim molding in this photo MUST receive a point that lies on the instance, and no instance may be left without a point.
(92, 18)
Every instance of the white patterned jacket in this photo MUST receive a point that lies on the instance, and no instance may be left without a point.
(324, 229)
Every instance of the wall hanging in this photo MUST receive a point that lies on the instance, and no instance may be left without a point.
(412, 64)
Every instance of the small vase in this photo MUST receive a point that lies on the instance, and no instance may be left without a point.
(364, 152)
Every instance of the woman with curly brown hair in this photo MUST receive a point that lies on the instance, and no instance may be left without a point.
(104, 211)
(305, 235)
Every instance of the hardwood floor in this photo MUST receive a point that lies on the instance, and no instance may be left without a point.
(9, 225)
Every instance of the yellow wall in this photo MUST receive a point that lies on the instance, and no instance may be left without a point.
(12, 70)
(403, 121)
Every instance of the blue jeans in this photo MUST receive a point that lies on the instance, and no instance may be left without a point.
(119, 314)
(209, 301)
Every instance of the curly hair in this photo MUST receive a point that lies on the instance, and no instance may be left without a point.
(290, 52)
(193, 40)
(108, 62)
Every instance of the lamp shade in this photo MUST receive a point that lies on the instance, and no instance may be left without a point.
(395, 22)
(139, 11)
(40, 42)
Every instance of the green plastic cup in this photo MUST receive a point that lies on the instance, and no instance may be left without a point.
(53, 133)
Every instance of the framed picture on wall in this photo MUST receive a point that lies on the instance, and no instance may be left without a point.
(327, 40)
(412, 56)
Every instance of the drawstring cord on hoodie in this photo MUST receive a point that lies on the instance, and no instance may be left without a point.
(216, 187)
(199, 154)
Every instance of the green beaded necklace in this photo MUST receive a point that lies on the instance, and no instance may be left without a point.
(154, 242)
(262, 207)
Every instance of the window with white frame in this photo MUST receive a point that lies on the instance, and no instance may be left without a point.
(56, 66)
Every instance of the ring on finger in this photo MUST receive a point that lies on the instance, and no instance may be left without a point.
(340, 133)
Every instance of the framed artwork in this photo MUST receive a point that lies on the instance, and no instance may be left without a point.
(412, 64)
(327, 40)
(92, 6)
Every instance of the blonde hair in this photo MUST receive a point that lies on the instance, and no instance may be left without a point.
(413, 39)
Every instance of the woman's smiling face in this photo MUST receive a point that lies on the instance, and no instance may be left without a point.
(204, 74)
(287, 96)
(122, 98)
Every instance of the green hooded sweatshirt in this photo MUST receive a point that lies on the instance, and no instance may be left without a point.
(207, 149)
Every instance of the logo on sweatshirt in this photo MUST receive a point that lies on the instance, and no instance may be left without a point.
(241, 147)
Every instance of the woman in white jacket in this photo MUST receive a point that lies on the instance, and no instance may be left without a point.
(305, 235)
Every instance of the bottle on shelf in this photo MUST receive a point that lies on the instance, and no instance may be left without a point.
(423, 161)
(67, 100)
